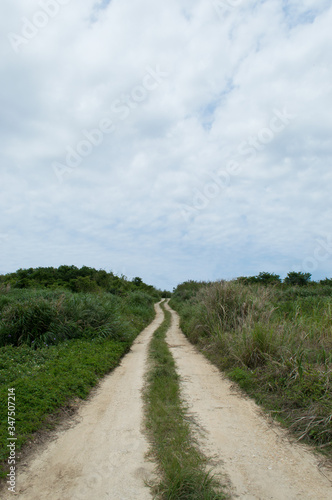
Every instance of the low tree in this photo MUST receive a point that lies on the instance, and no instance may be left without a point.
(263, 278)
(297, 278)
(268, 278)
(327, 282)
(137, 281)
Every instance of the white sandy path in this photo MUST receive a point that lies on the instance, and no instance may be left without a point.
(256, 456)
(102, 456)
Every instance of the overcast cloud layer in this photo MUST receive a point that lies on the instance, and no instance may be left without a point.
(187, 139)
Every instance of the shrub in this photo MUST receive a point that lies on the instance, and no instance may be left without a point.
(27, 322)
(294, 278)
(46, 318)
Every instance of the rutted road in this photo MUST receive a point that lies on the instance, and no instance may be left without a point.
(102, 455)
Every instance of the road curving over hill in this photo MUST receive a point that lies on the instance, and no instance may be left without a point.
(254, 456)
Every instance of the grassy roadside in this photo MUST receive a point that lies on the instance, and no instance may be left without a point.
(52, 377)
(60, 346)
(182, 467)
(275, 342)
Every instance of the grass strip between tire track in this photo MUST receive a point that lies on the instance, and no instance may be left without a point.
(181, 465)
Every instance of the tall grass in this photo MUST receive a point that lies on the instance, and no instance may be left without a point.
(275, 342)
(47, 318)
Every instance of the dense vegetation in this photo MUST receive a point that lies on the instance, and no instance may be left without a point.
(274, 339)
(85, 279)
(182, 466)
(55, 343)
(40, 318)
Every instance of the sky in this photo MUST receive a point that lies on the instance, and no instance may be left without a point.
(178, 140)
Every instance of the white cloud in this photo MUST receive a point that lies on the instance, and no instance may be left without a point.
(121, 207)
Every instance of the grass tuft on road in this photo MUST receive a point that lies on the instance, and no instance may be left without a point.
(182, 467)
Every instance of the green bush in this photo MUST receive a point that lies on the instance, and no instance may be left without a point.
(26, 322)
(85, 279)
(47, 318)
(297, 278)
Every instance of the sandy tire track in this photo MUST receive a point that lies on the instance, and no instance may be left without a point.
(103, 455)
(256, 456)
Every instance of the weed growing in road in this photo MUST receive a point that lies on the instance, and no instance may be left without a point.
(182, 466)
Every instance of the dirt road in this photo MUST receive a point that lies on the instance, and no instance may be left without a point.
(102, 454)
(256, 457)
